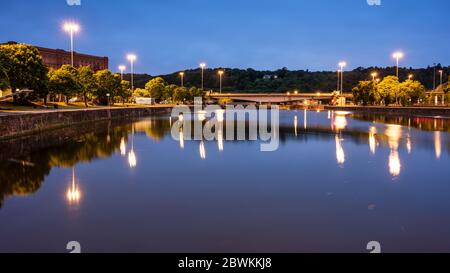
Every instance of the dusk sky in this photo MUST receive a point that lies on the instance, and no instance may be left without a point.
(172, 35)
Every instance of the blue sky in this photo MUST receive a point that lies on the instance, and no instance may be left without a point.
(172, 35)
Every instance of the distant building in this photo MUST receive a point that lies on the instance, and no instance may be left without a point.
(55, 58)
(270, 77)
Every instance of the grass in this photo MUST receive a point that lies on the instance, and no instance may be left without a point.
(10, 107)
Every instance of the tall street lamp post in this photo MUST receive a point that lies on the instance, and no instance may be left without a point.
(122, 68)
(202, 67)
(182, 78)
(71, 28)
(132, 59)
(342, 65)
(397, 56)
(221, 72)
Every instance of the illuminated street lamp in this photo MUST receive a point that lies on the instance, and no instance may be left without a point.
(342, 65)
(71, 28)
(202, 67)
(122, 68)
(397, 56)
(374, 75)
(410, 76)
(182, 78)
(221, 72)
(132, 58)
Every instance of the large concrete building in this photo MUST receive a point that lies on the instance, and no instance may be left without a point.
(55, 58)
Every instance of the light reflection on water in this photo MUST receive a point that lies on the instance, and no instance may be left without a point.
(336, 183)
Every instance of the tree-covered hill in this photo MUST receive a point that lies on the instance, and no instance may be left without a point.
(282, 80)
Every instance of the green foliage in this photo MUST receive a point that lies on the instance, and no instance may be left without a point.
(125, 91)
(366, 92)
(88, 82)
(65, 81)
(107, 83)
(4, 81)
(180, 94)
(387, 89)
(156, 88)
(139, 92)
(411, 92)
(25, 69)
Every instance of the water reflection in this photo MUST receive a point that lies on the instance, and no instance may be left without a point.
(372, 140)
(437, 144)
(73, 193)
(202, 150)
(340, 154)
(394, 134)
(132, 160)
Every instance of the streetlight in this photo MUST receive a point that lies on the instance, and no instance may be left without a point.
(374, 75)
(221, 72)
(71, 28)
(202, 67)
(441, 72)
(410, 76)
(182, 78)
(132, 58)
(122, 68)
(398, 55)
(342, 65)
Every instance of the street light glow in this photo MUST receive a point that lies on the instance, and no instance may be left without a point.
(122, 68)
(202, 65)
(71, 27)
(398, 55)
(131, 57)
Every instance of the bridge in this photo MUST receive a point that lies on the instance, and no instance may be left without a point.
(278, 97)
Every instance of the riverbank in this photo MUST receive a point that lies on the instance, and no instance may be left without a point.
(405, 111)
(30, 122)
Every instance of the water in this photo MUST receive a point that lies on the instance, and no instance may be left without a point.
(335, 183)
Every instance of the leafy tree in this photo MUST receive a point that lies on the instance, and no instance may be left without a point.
(4, 81)
(180, 94)
(388, 88)
(195, 92)
(125, 91)
(139, 92)
(64, 81)
(107, 83)
(25, 70)
(411, 92)
(156, 87)
(88, 82)
(169, 92)
(366, 92)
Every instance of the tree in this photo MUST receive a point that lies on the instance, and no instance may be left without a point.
(156, 88)
(4, 81)
(25, 69)
(366, 92)
(169, 92)
(139, 92)
(411, 92)
(107, 83)
(180, 94)
(388, 88)
(64, 81)
(125, 91)
(88, 83)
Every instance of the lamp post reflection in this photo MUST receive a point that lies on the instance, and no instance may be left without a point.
(123, 147)
(394, 134)
(132, 160)
(220, 114)
(305, 119)
(340, 153)
(73, 193)
(372, 140)
(296, 125)
(437, 144)
(202, 150)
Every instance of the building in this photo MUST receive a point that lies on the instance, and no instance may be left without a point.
(55, 58)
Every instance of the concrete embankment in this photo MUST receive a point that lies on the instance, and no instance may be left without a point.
(19, 124)
(406, 111)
